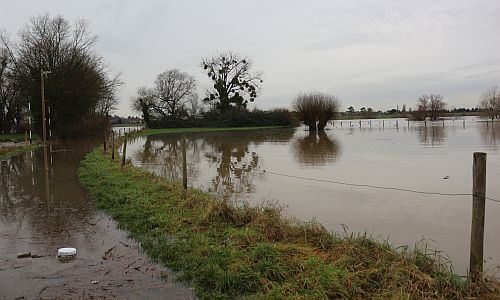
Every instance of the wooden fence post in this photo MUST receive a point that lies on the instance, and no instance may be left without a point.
(124, 154)
(104, 145)
(184, 163)
(478, 212)
(112, 145)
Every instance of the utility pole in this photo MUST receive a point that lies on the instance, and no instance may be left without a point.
(42, 88)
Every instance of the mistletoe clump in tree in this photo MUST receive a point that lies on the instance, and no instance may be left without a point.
(234, 83)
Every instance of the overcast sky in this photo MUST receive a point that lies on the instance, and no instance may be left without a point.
(375, 54)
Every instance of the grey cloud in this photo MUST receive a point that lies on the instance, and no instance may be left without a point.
(372, 53)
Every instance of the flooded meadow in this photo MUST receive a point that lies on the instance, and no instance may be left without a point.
(390, 179)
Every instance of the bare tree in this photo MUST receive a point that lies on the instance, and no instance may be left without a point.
(422, 106)
(11, 106)
(173, 97)
(233, 81)
(429, 106)
(175, 93)
(144, 103)
(315, 109)
(80, 89)
(436, 106)
(490, 103)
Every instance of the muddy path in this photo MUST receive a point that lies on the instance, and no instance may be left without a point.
(43, 208)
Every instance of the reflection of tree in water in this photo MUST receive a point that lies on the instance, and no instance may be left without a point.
(490, 134)
(236, 165)
(431, 135)
(316, 149)
(11, 194)
(23, 199)
(228, 151)
(162, 154)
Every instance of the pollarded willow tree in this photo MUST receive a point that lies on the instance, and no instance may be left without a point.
(234, 82)
(173, 97)
(315, 109)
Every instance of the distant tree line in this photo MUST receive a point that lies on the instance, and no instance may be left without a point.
(433, 106)
(126, 120)
(80, 91)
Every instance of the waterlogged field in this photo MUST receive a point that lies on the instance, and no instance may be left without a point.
(311, 175)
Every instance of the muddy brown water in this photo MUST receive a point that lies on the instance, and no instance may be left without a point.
(108, 263)
(242, 165)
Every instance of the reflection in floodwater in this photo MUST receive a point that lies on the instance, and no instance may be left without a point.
(431, 135)
(163, 155)
(43, 208)
(32, 185)
(228, 153)
(490, 134)
(315, 149)
(233, 162)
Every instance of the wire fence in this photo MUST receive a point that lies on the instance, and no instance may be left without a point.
(376, 186)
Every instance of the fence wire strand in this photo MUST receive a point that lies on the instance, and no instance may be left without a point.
(376, 187)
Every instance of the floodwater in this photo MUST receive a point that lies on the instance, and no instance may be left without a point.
(43, 211)
(306, 174)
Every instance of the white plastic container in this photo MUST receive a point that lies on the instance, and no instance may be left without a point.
(66, 253)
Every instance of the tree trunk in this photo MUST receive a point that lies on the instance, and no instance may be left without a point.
(322, 125)
(311, 125)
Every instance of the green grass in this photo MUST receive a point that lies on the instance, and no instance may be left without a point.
(254, 252)
(14, 137)
(146, 132)
(9, 151)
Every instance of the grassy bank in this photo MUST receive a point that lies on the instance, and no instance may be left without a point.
(8, 151)
(146, 132)
(254, 252)
(14, 137)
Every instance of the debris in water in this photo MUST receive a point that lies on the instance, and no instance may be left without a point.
(107, 254)
(23, 254)
(446, 177)
(65, 254)
(95, 281)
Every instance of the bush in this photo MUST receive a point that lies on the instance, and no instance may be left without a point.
(232, 118)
